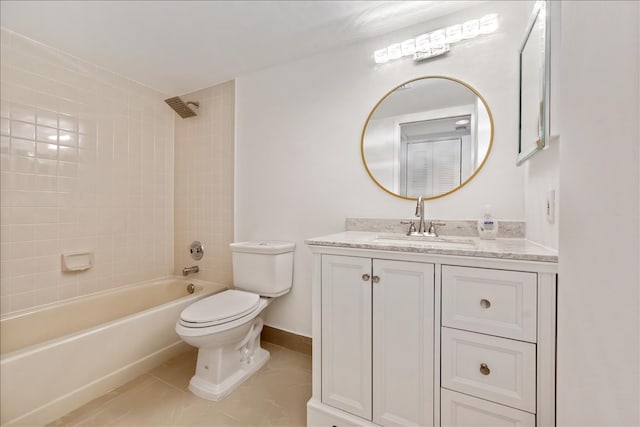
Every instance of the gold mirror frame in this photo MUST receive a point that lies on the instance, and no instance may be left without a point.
(364, 131)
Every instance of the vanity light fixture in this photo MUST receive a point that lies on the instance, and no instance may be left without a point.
(437, 42)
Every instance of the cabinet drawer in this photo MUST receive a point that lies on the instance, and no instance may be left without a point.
(460, 410)
(495, 302)
(496, 369)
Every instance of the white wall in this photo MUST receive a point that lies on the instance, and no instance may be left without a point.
(542, 171)
(598, 323)
(298, 167)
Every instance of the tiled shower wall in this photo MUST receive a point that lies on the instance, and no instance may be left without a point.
(204, 156)
(87, 164)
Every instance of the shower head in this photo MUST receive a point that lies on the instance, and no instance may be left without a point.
(182, 108)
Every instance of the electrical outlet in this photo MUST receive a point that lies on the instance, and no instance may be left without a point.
(551, 206)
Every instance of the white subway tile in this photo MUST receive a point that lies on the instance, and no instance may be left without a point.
(23, 113)
(22, 147)
(68, 123)
(46, 296)
(46, 167)
(67, 154)
(5, 304)
(46, 151)
(4, 126)
(23, 283)
(23, 130)
(47, 134)
(4, 144)
(22, 164)
(44, 231)
(47, 118)
(22, 301)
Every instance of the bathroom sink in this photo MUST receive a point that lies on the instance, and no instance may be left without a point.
(430, 241)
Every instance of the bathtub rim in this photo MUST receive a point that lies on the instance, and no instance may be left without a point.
(208, 288)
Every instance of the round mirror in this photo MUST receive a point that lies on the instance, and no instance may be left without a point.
(429, 136)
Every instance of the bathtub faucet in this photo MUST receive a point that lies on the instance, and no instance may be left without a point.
(192, 269)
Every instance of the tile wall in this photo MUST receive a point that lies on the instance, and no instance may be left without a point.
(204, 189)
(87, 163)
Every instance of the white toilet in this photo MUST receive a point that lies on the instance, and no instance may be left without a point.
(226, 326)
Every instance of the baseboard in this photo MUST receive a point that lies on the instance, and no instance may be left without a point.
(285, 339)
(321, 415)
(67, 403)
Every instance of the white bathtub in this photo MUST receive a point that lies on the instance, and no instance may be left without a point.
(56, 358)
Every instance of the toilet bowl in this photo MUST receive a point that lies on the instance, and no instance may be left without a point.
(226, 327)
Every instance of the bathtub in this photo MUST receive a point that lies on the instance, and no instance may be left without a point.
(58, 357)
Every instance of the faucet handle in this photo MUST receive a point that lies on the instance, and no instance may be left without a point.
(432, 227)
(412, 226)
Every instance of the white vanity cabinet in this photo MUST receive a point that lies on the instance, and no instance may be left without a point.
(410, 337)
(377, 335)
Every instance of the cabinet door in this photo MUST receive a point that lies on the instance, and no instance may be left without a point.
(403, 322)
(346, 334)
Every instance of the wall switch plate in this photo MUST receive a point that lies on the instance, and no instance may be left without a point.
(551, 206)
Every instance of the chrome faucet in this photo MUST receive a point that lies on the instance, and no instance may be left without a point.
(420, 214)
(192, 269)
(422, 229)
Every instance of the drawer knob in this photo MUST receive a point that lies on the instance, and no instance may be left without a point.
(376, 279)
(484, 369)
(366, 277)
(485, 303)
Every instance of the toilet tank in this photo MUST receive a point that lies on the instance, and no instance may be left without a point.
(263, 267)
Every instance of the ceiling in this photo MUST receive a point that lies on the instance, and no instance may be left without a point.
(177, 47)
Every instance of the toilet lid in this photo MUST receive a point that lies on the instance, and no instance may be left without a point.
(219, 308)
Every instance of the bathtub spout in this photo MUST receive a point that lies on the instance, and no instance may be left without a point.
(192, 269)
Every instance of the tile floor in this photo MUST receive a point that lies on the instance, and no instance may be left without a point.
(275, 396)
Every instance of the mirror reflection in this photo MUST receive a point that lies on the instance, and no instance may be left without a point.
(428, 137)
(534, 85)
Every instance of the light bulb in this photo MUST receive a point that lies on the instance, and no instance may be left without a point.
(408, 47)
(488, 24)
(394, 51)
(422, 43)
(470, 29)
(438, 39)
(380, 56)
(454, 33)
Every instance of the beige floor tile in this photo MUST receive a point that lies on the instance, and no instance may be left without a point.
(179, 370)
(276, 395)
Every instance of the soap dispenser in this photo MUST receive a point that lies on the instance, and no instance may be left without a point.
(487, 226)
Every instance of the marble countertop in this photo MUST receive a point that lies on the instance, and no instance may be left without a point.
(501, 248)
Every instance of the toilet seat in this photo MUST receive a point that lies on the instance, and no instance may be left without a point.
(220, 308)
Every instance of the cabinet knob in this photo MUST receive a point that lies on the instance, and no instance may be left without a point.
(376, 279)
(485, 303)
(366, 277)
(484, 369)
